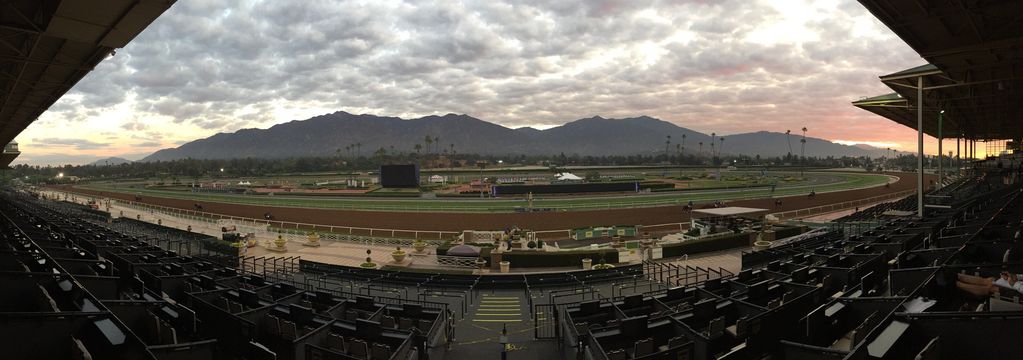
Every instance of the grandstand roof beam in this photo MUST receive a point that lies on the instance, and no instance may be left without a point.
(920, 147)
(26, 60)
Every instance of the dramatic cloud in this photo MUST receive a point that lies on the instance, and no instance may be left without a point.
(78, 144)
(725, 66)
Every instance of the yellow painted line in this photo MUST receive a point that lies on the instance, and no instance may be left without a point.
(496, 320)
(541, 319)
(497, 309)
(499, 306)
(500, 297)
(503, 314)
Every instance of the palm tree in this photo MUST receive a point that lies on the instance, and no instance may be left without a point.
(428, 140)
(418, 147)
(701, 148)
(452, 145)
(667, 145)
(712, 136)
(683, 152)
(802, 146)
(436, 140)
(886, 150)
(358, 152)
(721, 146)
(787, 132)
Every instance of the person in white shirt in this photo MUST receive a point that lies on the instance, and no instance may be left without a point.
(984, 286)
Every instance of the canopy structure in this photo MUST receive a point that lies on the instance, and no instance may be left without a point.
(47, 46)
(975, 69)
(567, 177)
(732, 211)
(971, 86)
(464, 250)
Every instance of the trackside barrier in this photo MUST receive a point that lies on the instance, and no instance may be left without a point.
(327, 232)
(824, 209)
(743, 192)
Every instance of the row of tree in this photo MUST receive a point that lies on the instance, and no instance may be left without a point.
(431, 144)
(197, 168)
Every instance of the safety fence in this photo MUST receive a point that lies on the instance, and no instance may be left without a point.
(824, 209)
(329, 232)
(677, 198)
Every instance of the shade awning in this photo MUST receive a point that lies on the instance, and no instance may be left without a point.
(974, 51)
(732, 211)
(48, 46)
(464, 250)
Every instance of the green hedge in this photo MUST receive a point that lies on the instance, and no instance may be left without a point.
(220, 246)
(392, 194)
(427, 271)
(706, 245)
(781, 233)
(461, 195)
(656, 186)
(531, 259)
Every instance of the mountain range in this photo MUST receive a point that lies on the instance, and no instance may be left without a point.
(110, 161)
(329, 134)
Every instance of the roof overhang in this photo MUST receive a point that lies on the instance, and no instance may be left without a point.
(975, 70)
(732, 211)
(47, 46)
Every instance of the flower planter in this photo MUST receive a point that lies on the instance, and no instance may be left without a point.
(587, 264)
(505, 266)
(419, 246)
(761, 245)
(398, 256)
(313, 240)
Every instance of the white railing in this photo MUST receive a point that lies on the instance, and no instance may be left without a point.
(457, 261)
(824, 209)
(491, 205)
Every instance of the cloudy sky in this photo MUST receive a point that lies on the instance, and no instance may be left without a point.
(728, 66)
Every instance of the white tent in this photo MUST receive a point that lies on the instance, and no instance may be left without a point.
(567, 177)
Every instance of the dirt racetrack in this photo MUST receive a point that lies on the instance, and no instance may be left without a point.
(439, 221)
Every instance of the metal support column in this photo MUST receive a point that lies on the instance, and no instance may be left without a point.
(920, 146)
(941, 175)
(959, 165)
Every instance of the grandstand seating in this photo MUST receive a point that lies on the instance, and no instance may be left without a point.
(86, 287)
(132, 296)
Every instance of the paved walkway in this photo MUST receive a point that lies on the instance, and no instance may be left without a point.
(479, 335)
(329, 252)
(354, 254)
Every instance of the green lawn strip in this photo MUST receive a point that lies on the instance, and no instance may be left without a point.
(851, 181)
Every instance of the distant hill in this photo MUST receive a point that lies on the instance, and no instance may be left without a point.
(329, 134)
(110, 161)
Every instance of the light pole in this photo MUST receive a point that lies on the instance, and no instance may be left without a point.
(504, 342)
(481, 164)
(941, 114)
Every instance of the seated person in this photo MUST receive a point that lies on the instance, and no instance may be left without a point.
(984, 286)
